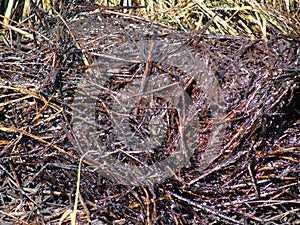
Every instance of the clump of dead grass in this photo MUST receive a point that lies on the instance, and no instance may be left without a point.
(255, 180)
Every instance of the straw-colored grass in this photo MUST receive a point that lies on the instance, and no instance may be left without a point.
(247, 18)
(253, 18)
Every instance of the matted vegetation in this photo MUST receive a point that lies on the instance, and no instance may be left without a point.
(255, 179)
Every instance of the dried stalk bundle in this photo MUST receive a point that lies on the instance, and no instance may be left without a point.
(254, 177)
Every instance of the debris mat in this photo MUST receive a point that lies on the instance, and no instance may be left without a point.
(252, 176)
